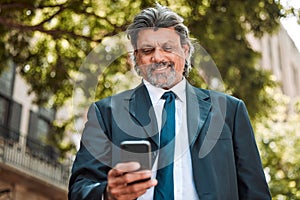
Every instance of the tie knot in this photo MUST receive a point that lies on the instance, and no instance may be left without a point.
(168, 96)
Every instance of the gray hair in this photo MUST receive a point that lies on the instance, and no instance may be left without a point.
(161, 17)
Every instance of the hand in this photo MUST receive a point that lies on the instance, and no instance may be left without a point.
(122, 181)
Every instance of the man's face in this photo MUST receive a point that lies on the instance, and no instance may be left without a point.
(160, 57)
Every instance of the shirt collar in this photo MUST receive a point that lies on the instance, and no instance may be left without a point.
(156, 92)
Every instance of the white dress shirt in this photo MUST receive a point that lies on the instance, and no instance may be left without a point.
(184, 187)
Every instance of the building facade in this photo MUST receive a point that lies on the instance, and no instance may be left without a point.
(280, 55)
(28, 166)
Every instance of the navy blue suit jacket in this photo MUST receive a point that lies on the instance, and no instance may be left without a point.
(225, 159)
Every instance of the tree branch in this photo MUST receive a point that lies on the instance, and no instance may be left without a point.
(94, 15)
(61, 9)
(16, 5)
(55, 33)
(39, 27)
(26, 6)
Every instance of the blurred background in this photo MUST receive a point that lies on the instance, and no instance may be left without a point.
(46, 82)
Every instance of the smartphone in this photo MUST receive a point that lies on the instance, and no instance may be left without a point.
(138, 151)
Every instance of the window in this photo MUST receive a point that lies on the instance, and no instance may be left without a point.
(296, 81)
(6, 80)
(10, 118)
(15, 120)
(39, 128)
(270, 49)
(47, 113)
(279, 58)
(42, 129)
(4, 105)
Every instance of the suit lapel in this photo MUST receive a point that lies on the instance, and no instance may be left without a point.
(198, 108)
(141, 109)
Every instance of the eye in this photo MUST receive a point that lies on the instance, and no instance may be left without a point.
(147, 51)
(168, 48)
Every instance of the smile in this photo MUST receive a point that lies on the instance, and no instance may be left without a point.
(159, 67)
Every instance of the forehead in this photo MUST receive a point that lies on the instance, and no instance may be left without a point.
(159, 36)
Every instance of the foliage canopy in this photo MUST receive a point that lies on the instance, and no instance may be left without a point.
(48, 40)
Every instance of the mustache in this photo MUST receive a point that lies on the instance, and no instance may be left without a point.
(162, 64)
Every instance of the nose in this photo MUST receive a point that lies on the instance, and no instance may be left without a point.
(158, 55)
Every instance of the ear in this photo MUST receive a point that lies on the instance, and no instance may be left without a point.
(186, 50)
(135, 54)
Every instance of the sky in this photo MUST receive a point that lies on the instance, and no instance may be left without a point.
(290, 24)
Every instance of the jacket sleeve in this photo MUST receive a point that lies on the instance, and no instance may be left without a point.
(93, 160)
(251, 179)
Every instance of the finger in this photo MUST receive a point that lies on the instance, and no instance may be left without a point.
(128, 166)
(132, 191)
(130, 177)
(140, 188)
(138, 176)
(122, 168)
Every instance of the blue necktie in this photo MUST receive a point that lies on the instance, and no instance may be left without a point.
(165, 187)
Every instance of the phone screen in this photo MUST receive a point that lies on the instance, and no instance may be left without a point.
(138, 151)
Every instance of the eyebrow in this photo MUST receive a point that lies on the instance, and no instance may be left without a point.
(150, 45)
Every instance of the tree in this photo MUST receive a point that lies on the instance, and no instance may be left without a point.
(279, 141)
(48, 40)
